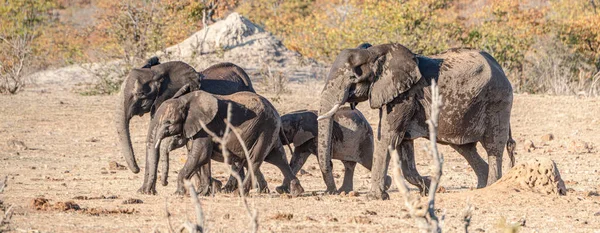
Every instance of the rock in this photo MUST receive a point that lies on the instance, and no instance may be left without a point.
(132, 201)
(548, 137)
(282, 216)
(581, 147)
(112, 165)
(539, 175)
(528, 145)
(360, 220)
(17, 145)
(353, 194)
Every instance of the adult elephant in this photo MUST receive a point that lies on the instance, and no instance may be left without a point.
(477, 105)
(145, 89)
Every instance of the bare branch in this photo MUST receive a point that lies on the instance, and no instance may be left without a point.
(252, 213)
(199, 226)
(168, 216)
(3, 184)
(467, 214)
(426, 220)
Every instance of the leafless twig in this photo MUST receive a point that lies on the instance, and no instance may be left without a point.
(252, 213)
(467, 215)
(3, 184)
(425, 217)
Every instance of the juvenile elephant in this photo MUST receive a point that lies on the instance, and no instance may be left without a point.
(352, 140)
(145, 89)
(477, 105)
(256, 119)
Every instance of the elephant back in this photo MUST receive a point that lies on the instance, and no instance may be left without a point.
(225, 79)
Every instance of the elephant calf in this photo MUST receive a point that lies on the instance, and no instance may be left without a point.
(352, 140)
(189, 115)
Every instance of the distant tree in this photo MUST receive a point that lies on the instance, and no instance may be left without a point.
(20, 26)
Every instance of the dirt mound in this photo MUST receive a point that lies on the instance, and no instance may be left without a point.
(538, 175)
(236, 39)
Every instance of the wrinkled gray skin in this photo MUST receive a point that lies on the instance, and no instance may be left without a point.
(477, 104)
(145, 89)
(255, 118)
(352, 140)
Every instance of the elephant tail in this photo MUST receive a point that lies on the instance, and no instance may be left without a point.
(285, 140)
(510, 147)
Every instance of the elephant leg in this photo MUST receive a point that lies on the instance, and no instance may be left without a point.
(347, 186)
(480, 167)
(198, 155)
(300, 156)
(409, 168)
(169, 144)
(150, 172)
(204, 179)
(290, 181)
(248, 180)
(232, 184)
(381, 160)
(494, 147)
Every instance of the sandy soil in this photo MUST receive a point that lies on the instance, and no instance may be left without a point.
(57, 144)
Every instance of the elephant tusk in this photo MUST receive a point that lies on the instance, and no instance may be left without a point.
(157, 144)
(330, 113)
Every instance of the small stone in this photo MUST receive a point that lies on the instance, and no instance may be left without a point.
(368, 212)
(353, 194)
(112, 165)
(548, 137)
(441, 189)
(132, 201)
(308, 218)
(332, 219)
(226, 216)
(528, 145)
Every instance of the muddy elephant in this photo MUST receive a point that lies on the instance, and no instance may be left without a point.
(477, 104)
(145, 89)
(352, 140)
(255, 118)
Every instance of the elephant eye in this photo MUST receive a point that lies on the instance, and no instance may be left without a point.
(140, 95)
(358, 71)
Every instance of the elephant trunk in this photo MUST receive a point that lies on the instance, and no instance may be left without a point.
(123, 116)
(329, 104)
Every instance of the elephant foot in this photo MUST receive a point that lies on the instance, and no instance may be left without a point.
(230, 186)
(387, 183)
(282, 189)
(164, 183)
(331, 191)
(145, 190)
(296, 188)
(345, 189)
(381, 195)
(264, 189)
(214, 187)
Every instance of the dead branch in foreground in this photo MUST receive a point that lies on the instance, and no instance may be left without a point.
(252, 212)
(425, 218)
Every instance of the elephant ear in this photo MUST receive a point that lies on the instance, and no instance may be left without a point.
(307, 128)
(202, 108)
(396, 71)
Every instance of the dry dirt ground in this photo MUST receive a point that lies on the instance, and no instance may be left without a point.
(58, 145)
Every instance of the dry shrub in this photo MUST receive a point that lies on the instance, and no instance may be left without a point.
(551, 67)
(274, 81)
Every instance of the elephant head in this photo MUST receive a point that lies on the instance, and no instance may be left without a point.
(176, 117)
(142, 91)
(374, 73)
(299, 126)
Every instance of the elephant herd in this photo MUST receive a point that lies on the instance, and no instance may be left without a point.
(188, 108)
